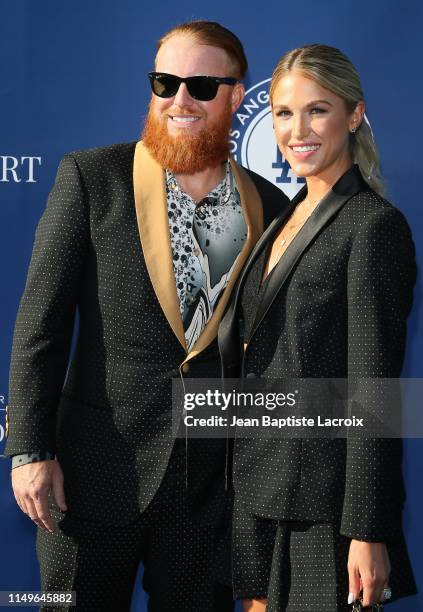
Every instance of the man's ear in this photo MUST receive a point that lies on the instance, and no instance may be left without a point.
(238, 93)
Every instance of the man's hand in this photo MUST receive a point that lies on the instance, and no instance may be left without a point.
(31, 484)
(368, 570)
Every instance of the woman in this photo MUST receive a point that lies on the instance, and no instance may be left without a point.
(325, 294)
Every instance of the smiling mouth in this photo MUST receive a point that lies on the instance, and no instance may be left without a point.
(305, 148)
(184, 118)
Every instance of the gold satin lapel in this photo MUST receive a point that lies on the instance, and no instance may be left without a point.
(153, 227)
(252, 209)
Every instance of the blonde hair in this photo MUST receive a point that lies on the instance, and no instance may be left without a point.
(333, 70)
(213, 34)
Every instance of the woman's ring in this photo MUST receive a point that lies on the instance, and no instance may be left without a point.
(387, 593)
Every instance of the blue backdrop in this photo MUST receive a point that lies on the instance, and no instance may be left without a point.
(73, 75)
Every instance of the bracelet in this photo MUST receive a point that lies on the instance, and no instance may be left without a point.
(24, 458)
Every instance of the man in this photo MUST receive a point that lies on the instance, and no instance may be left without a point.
(146, 240)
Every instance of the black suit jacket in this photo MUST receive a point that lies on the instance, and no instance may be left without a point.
(335, 306)
(103, 248)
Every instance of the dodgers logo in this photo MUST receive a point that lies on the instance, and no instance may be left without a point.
(253, 143)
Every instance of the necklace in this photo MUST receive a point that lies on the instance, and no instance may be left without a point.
(288, 231)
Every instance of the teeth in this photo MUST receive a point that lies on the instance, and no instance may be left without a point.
(306, 148)
(184, 119)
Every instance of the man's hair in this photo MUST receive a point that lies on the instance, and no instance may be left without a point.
(213, 34)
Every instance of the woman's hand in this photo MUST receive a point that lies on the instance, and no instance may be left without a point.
(368, 570)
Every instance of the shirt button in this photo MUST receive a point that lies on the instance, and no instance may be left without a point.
(185, 368)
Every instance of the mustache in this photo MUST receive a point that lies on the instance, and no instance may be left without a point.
(181, 112)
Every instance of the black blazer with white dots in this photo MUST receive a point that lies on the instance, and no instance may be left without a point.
(334, 307)
(110, 420)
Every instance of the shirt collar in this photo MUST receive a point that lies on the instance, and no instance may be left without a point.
(227, 183)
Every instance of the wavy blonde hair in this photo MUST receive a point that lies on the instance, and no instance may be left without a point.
(330, 68)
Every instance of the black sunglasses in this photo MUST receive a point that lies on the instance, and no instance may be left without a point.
(202, 88)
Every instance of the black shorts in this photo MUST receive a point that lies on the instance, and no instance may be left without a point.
(301, 566)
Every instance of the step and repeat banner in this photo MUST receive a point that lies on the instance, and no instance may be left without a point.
(73, 76)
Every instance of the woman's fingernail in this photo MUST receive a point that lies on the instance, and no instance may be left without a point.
(351, 598)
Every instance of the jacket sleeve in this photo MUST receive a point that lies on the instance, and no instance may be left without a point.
(45, 319)
(381, 276)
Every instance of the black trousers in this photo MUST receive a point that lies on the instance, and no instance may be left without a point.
(180, 558)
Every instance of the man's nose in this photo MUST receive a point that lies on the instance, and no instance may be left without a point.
(182, 97)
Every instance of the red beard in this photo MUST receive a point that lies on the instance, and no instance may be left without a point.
(187, 153)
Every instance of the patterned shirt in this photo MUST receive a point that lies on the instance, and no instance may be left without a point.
(206, 238)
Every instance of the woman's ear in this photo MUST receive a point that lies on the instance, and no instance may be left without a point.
(357, 116)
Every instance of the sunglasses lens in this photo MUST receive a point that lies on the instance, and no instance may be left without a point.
(165, 85)
(199, 87)
(202, 88)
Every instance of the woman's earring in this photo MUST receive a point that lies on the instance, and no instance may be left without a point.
(353, 130)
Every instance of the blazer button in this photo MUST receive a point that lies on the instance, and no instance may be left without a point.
(251, 375)
(185, 368)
